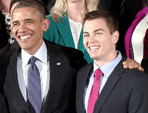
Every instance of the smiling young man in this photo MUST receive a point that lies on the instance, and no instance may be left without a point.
(100, 47)
(40, 77)
(105, 86)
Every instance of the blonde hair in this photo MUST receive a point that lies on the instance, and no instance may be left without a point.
(59, 10)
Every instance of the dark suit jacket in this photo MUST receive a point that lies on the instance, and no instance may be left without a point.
(126, 91)
(144, 64)
(3, 108)
(61, 95)
(125, 11)
(5, 54)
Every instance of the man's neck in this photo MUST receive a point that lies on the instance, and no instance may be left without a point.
(103, 61)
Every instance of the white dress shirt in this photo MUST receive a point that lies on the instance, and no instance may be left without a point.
(43, 66)
(107, 69)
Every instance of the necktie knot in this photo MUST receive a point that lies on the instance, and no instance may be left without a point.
(32, 60)
(98, 73)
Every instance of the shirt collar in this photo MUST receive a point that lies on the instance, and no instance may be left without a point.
(41, 54)
(109, 67)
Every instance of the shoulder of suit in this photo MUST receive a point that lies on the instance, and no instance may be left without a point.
(86, 67)
(134, 75)
(9, 50)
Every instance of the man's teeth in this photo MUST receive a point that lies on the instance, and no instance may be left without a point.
(93, 48)
(24, 37)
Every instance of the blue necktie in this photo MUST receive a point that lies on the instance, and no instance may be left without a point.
(34, 87)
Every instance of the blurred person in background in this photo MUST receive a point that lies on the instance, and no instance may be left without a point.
(5, 32)
(136, 38)
(48, 5)
(125, 11)
(65, 23)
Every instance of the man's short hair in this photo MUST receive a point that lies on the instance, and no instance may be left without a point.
(38, 4)
(111, 21)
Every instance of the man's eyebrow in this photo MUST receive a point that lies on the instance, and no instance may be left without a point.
(85, 32)
(29, 20)
(98, 30)
(15, 22)
(94, 31)
(26, 20)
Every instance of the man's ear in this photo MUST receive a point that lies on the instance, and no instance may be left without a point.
(46, 24)
(115, 37)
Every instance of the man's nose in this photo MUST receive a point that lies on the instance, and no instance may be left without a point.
(22, 27)
(92, 38)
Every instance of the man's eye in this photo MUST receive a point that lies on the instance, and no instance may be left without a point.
(85, 35)
(15, 24)
(98, 33)
(29, 21)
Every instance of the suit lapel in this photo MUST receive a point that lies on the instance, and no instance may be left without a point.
(65, 32)
(12, 76)
(82, 81)
(109, 86)
(56, 64)
(52, 93)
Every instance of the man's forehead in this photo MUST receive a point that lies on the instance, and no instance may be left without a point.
(95, 21)
(24, 10)
(96, 24)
